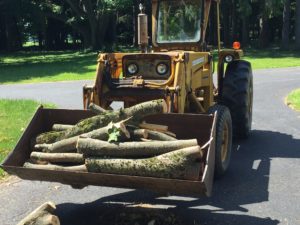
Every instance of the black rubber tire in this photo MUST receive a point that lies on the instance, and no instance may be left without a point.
(237, 95)
(223, 118)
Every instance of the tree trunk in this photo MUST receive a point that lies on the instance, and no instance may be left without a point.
(285, 39)
(298, 24)
(61, 127)
(245, 32)
(81, 168)
(91, 147)
(181, 164)
(226, 23)
(69, 144)
(159, 136)
(264, 32)
(96, 109)
(138, 134)
(138, 112)
(234, 22)
(43, 215)
(57, 157)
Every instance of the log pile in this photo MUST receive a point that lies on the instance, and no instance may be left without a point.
(43, 215)
(118, 142)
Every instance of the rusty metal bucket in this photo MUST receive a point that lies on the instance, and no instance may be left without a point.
(185, 126)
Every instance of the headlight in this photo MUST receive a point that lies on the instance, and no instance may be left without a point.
(228, 58)
(132, 68)
(161, 69)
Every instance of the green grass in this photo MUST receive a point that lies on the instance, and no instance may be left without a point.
(293, 99)
(28, 67)
(14, 117)
(31, 67)
(265, 59)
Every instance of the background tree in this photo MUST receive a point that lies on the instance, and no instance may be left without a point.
(286, 24)
(297, 24)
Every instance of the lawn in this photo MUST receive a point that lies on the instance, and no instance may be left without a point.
(264, 59)
(14, 117)
(293, 99)
(30, 67)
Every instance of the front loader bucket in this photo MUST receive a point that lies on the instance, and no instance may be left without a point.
(185, 126)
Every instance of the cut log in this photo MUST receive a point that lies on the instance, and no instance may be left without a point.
(81, 168)
(96, 109)
(57, 157)
(43, 215)
(137, 134)
(155, 127)
(63, 146)
(159, 136)
(137, 112)
(91, 147)
(61, 127)
(181, 164)
(69, 144)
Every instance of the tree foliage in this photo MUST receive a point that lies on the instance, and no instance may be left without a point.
(98, 24)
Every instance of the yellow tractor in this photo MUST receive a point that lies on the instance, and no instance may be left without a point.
(179, 68)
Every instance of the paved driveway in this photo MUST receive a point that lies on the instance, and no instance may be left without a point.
(261, 186)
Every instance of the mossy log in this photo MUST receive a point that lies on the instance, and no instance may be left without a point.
(91, 147)
(69, 144)
(57, 157)
(61, 127)
(80, 168)
(181, 164)
(137, 112)
(96, 109)
(43, 215)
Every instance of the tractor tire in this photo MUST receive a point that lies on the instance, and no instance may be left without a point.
(223, 143)
(237, 95)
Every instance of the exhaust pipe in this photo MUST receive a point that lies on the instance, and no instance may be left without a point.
(143, 29)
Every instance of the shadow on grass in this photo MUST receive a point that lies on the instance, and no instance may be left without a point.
(247, 182)
(27, 66)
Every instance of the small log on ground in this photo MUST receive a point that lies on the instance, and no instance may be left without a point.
(96, 109)
(57, 157)
(61, 127)
(91, 147)
(159, 136)
(43, 215)
(80, 168)
(181, 164)
(69, 144)
(137, 112)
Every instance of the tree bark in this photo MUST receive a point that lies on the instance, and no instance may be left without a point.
(181, 164)
(245, 34)
(137, 112)
(298, 24)
(81, 168)
(57, 157)
(69, 144)
(96, 109)
(61, 127)
(138, 134)
(159, 136)
(155, 127)
(285, 35)
(43, 215)
(90, 147)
